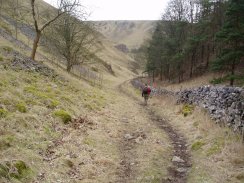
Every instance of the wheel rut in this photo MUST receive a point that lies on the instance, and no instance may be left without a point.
(181, 158)
(125, 173)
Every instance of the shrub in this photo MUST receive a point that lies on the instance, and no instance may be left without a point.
(65, 116)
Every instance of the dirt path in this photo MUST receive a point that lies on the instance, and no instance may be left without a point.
(180, 157)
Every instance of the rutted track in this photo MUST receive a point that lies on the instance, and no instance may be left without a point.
(181, 157)
(181, 163)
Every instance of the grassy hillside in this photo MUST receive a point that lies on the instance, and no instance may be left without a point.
(50, 126)
(34, 109)
(107, 54)
(59, 127)
(130, 33)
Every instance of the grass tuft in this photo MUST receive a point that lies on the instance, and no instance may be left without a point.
(187, 109)
(7, 49)
(6, 141)
(240, 176)
(69, 163)
(21, 107)
(89, 141)
(3, 113)
(16, 169)
(65, 116)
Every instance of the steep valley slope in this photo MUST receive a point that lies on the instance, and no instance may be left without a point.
(58, 127)
(130, 33)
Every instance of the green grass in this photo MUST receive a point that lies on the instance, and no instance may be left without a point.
(52, 103)
(6, 141)
(5, 26)
(31, 106)
(89, 141)
(7, 49)
(197, 145)
(216, 147)
(199, 175)
(17, 169)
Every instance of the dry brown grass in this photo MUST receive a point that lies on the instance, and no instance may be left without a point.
(192, 83)
(218, 153)
(131, 33)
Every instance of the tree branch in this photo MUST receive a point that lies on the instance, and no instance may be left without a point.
(34, 14)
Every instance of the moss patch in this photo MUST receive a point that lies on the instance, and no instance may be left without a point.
(65, 116)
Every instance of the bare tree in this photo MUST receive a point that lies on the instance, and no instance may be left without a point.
(177, 10)
(74, 39)
(64, 6)
(1, 6)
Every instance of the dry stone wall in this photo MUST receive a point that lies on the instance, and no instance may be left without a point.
(224, 104)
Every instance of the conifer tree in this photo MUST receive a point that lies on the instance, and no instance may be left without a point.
(231, 38)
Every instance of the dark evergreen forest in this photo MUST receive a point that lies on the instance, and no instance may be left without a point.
(194, 37)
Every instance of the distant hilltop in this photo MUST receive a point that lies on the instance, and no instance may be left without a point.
(131, 33)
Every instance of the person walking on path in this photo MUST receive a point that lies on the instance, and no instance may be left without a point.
(146, 93)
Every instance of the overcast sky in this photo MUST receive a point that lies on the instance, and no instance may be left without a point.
(123, 9)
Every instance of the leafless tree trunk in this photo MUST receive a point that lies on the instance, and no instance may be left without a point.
(232, 72)
(208, 55)
(1, 6)
(192, 62)
(65, 7)
(35, 44)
